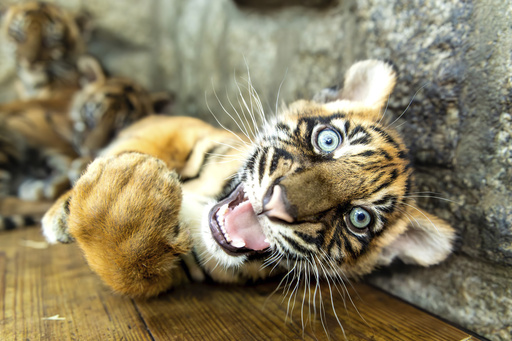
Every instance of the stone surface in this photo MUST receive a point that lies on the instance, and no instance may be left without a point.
(477, 295)
(458, 125)
(452, 103)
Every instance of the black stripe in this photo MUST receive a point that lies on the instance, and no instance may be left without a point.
(309, 239)
(337, 115)
(347, 127)
(9, 224)
(279, 154)
(389, 201)
(365, 241)
(66, 206)
(274, 163)
(295, 245)
(385, 200)
(386, 137)
(385, 154)
(377, 178)
(335, 240)
(284, 128)
(365, 139)
(357, 129)
(249, 165)
(338, 225)
(262, 163)
(348, 246)
(28, 221)
(371, 166)
(391, 179)
(366, 153)
(185, 269)
(384, 221)
(402, 154)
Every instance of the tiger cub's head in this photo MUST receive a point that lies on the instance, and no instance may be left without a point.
(104, 106)
(329, 183)
(42, 34)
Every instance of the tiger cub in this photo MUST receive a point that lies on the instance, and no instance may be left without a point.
(323, 189)
(46, 40)
(46, 143)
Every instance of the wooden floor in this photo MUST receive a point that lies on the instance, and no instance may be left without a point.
(48, 293)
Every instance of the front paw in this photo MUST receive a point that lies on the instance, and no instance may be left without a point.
(124, 214)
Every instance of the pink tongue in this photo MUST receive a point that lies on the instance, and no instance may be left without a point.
(242, 226)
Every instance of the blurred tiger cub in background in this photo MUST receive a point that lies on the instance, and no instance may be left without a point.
(46, 41)
(46, 143)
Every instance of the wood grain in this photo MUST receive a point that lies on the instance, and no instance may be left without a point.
(37, 282)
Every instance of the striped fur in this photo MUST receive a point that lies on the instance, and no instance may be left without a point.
(46, 41)
(322, 190)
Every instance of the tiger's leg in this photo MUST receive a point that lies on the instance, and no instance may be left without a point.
(124, 214)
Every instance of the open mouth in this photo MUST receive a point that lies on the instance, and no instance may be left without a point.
(235, 226)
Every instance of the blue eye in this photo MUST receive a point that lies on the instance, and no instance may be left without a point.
(328, 140)
(360, 218)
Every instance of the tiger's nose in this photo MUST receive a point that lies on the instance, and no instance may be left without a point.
(276, 205)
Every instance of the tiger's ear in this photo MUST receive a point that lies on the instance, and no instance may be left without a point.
(428, 240)
(162, 102)
(85, 25)
(90, 70)
(367, 84)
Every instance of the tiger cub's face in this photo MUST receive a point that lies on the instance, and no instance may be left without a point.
(104, 106)
(328, 183)
(41, 34)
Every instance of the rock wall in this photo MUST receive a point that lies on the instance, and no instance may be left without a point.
(452, 103)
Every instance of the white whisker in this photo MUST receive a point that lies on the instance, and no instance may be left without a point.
(424, 215)
(433, 197)
(216, 119)
(279, 91)
(230, 116)
(407, 108)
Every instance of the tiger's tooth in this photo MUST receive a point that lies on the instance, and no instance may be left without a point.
(266, 241)
(239, 243)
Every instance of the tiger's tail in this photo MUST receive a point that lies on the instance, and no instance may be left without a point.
(17, 221)
(16, 213)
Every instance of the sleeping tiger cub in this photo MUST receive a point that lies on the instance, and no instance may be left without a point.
(46, 41)
(324, 189)
(45, 144)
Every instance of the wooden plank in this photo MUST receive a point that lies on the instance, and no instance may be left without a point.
(37, 284)
(224, 312)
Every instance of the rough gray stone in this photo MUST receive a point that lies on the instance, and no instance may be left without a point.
(466, 296)
(456, 125)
